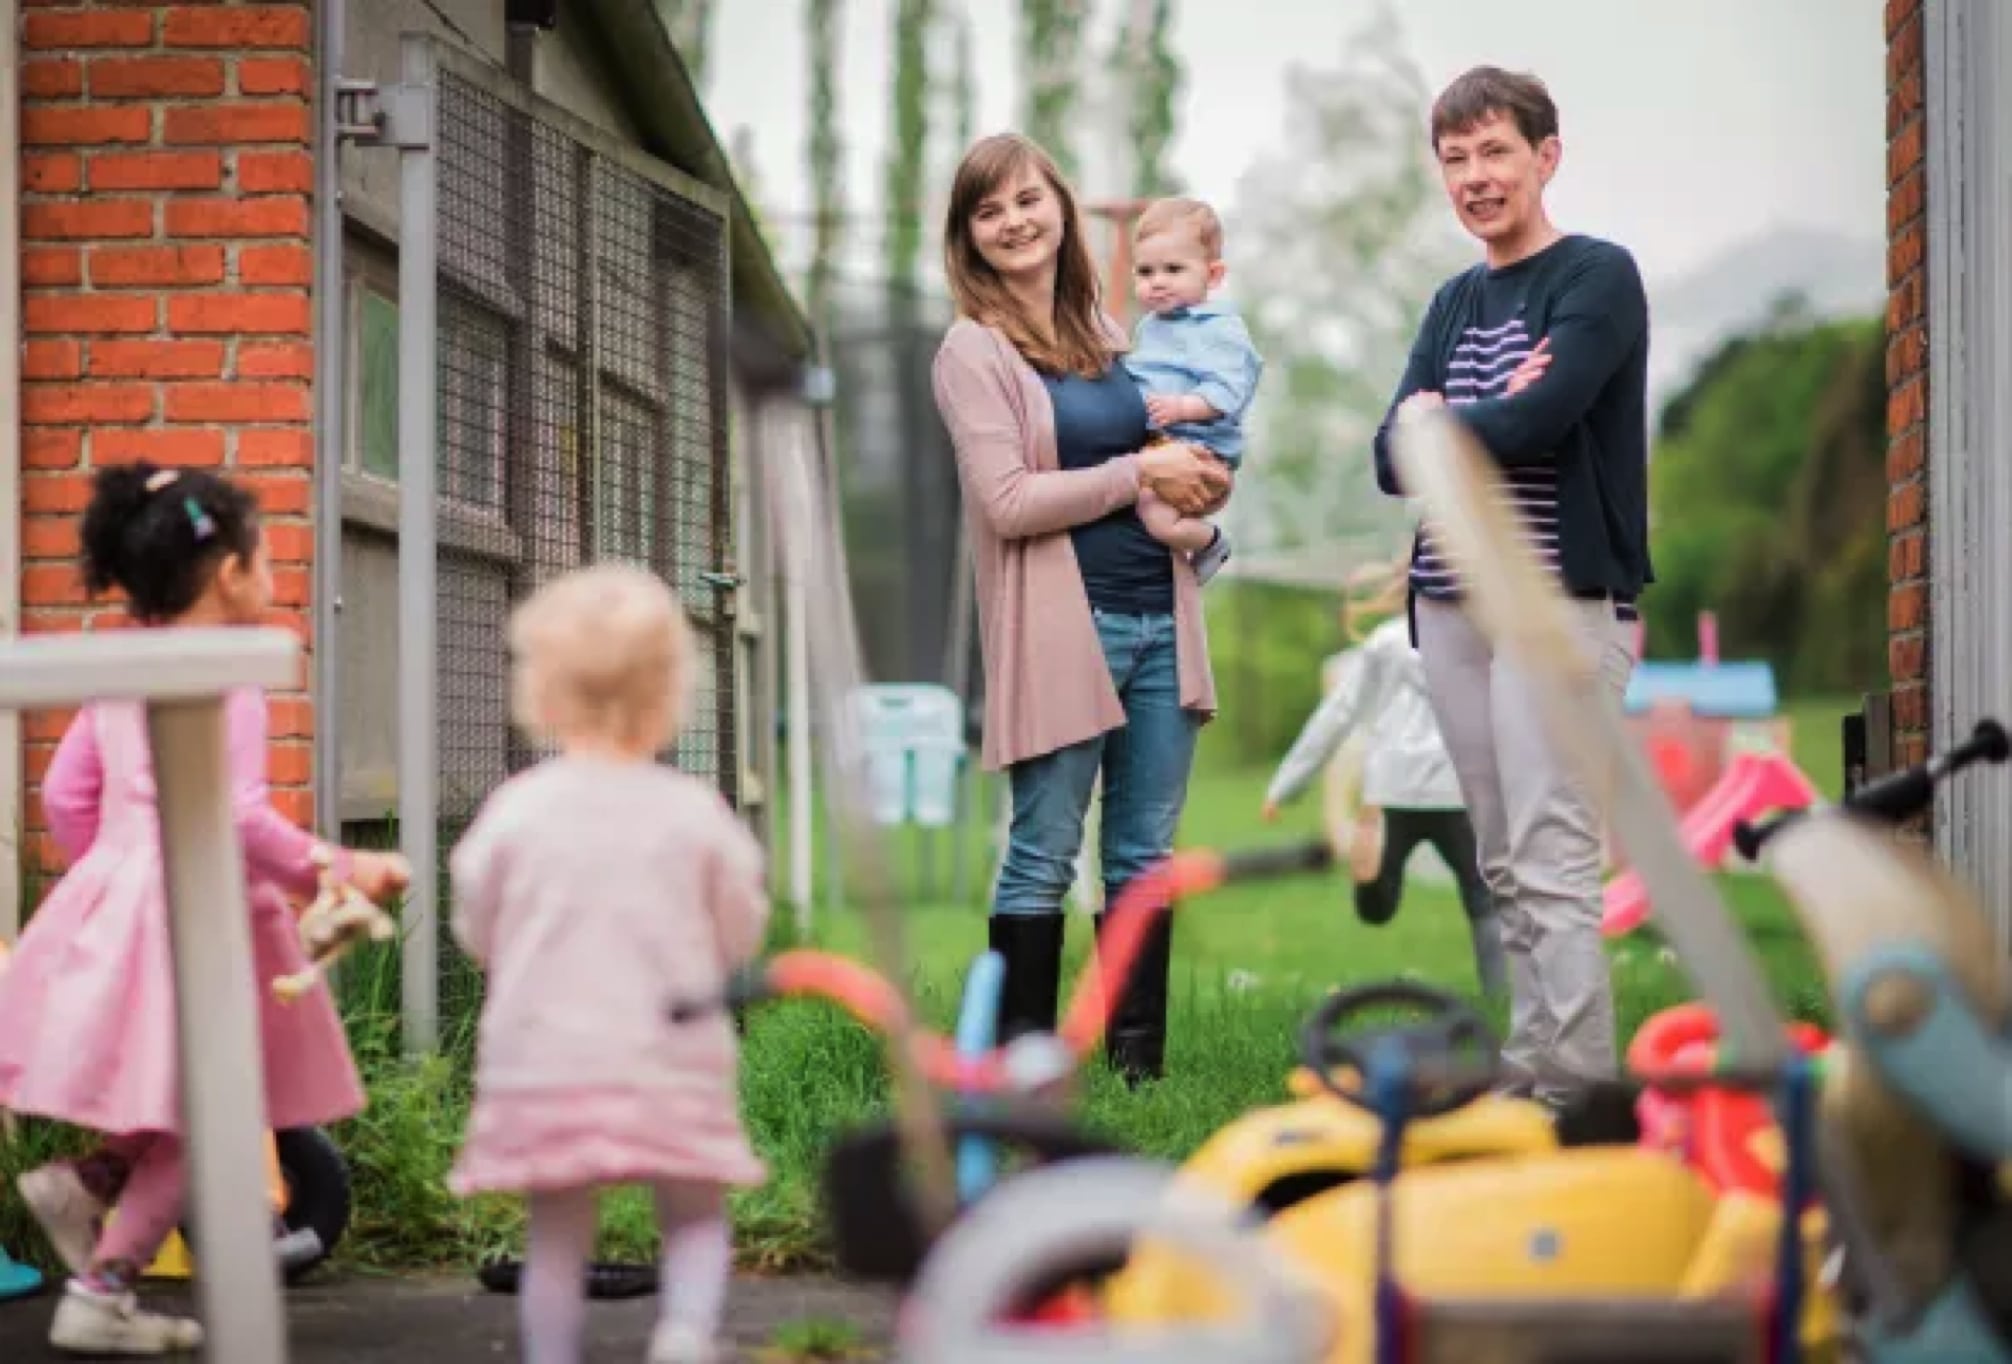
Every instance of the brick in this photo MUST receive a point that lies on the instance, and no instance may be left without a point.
(88, 28)
(289, 764)
(52, 77)
(51, 172)
(279, 493)
(62, 403)
(238, 26)
(289, 542)
(1904, 153)
(241, 314)
(55, 492)
(52, 359)
(1910, 706)
(275, 172)
(1899, 12)
(1903, 50)
(156, 265)
(289, 717)
(276, 449)
(156, 77)
(1906, 406)
(1906, 355)
(157, 359)
(274, 76)
(236, 402)
(49, 537)
(85, 125)
(231, 217)
(1907, 658)
(292, 586)
(47, 726)
(1905, 506)
(1903, 101)
(1905, 201)
(275, 264)
(1905, 252)
(52, 265)
(87, 219)
(160, 445)
(52, 585)
(89, 314)
(1906, 456)
(51, 447)
(157, 170)
(1906, 607)
(219, 124)
(275, 360)
(296, 803)
(1906, 558)
(1905, 302)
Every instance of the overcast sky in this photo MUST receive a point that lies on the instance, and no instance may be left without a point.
(1688, 124)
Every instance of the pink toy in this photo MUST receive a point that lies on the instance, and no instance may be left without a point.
(1752, 785)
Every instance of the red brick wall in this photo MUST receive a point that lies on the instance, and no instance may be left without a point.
(166, 169)
(1907, 379)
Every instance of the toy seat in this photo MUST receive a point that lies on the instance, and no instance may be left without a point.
(1537, 1331)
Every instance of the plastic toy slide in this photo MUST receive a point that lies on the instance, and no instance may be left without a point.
(1752, 785)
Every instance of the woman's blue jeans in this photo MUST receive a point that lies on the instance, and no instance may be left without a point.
(1145, 766)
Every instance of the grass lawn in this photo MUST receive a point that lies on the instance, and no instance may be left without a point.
(1249, 964)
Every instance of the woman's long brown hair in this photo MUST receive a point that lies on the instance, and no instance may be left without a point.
(1075, 340)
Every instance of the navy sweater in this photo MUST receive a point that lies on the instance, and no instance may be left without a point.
(1574, 446)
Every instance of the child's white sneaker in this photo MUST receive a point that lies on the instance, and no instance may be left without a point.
(675, 1343)
(91, 1322)
(1207, 562)
(67, 1213)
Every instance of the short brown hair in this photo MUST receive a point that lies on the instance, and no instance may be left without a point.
(1486, 90)
(1164, 215)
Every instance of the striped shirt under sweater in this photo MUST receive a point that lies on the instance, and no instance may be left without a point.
(1480, 368)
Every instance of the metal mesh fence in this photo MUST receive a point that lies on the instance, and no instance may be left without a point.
(582, 415)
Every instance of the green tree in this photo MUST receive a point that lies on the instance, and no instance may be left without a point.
(690, 23)
(1768, 492)
(1051, 44)
(1339, 238)
(908, 155)
(825, 153)
(1154, 79)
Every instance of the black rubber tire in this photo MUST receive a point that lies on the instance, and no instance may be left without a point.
(606, 1280)
(317, 1180)
(318, 1193)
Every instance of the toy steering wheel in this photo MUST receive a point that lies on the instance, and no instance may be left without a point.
(1449, 1056)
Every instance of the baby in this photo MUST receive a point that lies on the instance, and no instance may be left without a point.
(1192, 358)
(594, 889)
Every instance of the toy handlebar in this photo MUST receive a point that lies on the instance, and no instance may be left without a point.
(868, 996)
(1893, 798)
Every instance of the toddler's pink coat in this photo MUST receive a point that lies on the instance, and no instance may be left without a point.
(595, 893)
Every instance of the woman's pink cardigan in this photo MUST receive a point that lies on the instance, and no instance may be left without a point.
(1046, 683)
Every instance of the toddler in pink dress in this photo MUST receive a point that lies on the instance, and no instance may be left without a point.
(87, 1006)
(595, 889)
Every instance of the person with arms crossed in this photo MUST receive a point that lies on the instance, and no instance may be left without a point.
(1541, 351)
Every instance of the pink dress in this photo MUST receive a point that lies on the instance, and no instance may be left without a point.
(87, 1006)
(595, 894)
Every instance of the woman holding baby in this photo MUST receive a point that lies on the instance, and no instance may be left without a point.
(1095, 659)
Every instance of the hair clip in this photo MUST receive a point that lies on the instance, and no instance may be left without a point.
(200, 519)
(162, 478)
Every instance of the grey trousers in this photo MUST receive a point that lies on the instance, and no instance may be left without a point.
(1539, 831)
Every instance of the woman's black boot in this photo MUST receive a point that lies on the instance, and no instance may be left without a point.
(1032, 947)
(1136, 1041)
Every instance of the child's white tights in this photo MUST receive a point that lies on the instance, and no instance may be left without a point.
(697, 1263)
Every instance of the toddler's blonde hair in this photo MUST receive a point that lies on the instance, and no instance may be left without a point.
(1168, 215)
(602, 653)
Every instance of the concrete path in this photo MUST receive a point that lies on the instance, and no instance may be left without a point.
(338, 1319)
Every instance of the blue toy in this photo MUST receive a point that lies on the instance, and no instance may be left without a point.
(17, 1280)
(976, 1161)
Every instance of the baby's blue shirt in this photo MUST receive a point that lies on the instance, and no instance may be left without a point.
(1204, 350)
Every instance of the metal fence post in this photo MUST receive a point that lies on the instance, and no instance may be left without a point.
(331, 390)
(418, 401)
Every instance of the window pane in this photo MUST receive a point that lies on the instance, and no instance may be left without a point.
(380, 386)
